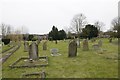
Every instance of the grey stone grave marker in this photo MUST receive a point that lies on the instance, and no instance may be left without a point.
(33, 51)
(54, 52)
(72, 52)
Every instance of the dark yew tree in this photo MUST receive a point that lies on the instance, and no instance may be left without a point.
(62, 35)
(54, 34)
(90, 31)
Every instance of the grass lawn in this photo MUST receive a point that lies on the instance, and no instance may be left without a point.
(87, 64)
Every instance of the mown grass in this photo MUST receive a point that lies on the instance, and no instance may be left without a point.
(87, 64)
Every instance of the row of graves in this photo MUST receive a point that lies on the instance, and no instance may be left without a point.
(35, 61)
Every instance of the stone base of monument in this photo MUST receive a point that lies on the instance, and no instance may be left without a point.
(35, 75)
(25, 62)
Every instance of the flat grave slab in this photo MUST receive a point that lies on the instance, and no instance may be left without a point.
(34, 75)
(26, 62)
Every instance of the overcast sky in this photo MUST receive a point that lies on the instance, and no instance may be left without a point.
(40, 15)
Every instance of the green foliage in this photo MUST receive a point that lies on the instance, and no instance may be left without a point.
(62, 35)
(30, 37)
(34, 38)
(57, 35)
(6, 41)
(89, 31)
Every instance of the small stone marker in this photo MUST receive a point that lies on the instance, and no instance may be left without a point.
(85, 45)
(54, 52)
(72, 52)
(45, 45)
(33, 51)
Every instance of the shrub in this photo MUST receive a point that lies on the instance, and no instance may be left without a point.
(6, 41)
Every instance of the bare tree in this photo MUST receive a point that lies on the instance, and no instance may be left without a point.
(99, 25)
(116, 23)
(8, 29)
(78, 22)
(3, 28)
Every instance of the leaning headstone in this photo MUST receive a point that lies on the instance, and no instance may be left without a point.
(45, 45)
(33, 51)
(85, 45)
(72, 52)
(26, 46)
(100, 43)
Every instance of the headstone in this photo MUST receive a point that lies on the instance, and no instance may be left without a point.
(100, 43)
(26, 46)
(85, 45)
(72, 52)
(33, 51)
(45, 45)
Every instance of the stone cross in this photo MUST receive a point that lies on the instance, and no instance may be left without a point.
(72, 50)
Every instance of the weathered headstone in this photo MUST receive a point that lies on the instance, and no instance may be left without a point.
(100, 43)
(33, 51)
(26, 46)
(72, 52)
(45, 45)
(85, 45)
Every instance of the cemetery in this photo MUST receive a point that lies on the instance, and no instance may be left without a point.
(60, 39)
(67, 60)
